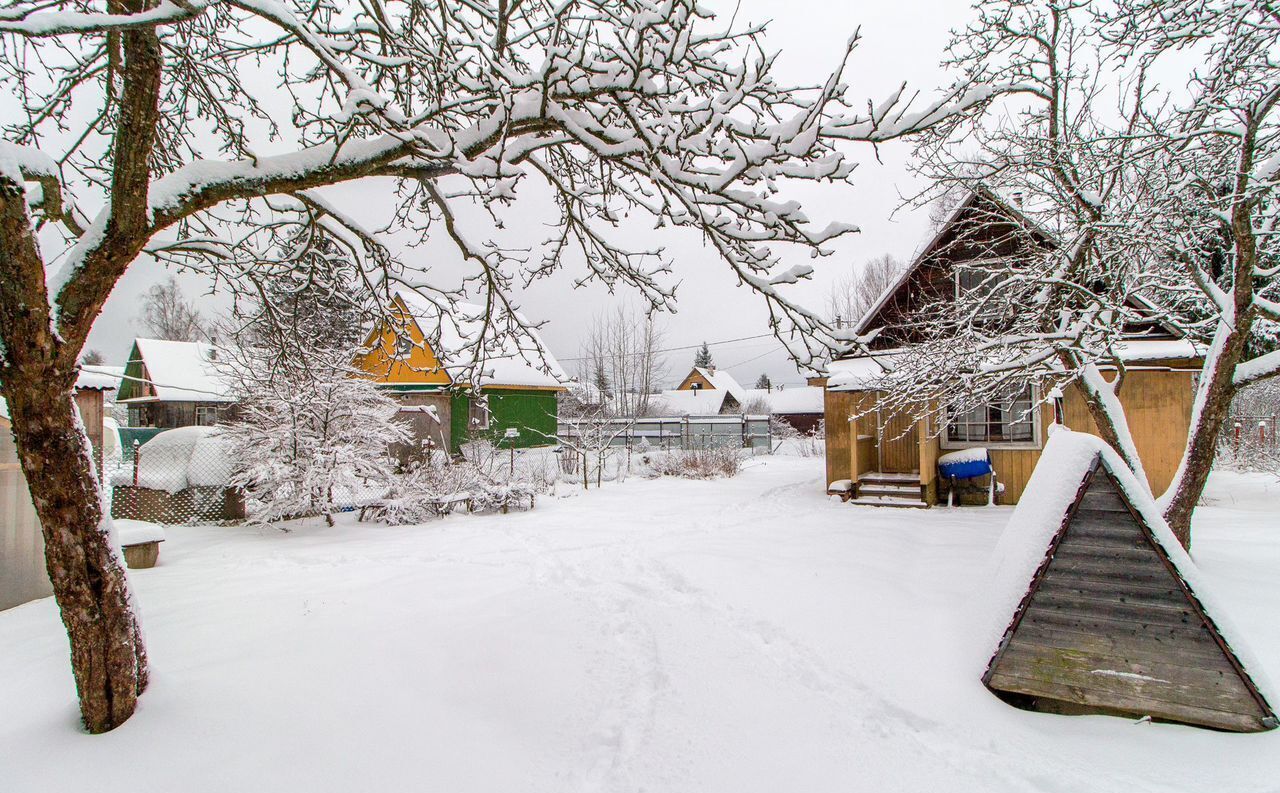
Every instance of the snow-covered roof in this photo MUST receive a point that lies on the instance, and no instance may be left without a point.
(522, 360)
(99, 378)
(797, 399)
(1134, 350)
(693, 402)
(722, 380)
(182, 371)
(857, 373)
(1052, 489)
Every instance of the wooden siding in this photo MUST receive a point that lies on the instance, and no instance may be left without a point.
(419, 367)
(22, 569)
(695, 376)
(531, 411)
(170, 415)
(836, 408)
(1109, 625)
(899, 443)
(1157, 403)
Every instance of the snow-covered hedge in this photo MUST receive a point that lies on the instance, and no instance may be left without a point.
(693, 463)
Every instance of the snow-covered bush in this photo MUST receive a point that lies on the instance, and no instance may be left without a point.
(693, 463)
(313, 444)
(481, 480)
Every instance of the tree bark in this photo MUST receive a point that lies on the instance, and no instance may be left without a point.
(1213, 404)
(89, 584)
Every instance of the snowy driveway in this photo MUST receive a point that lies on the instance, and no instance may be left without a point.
(739, 635)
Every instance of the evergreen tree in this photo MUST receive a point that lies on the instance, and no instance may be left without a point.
(763, 382)
(702, 359)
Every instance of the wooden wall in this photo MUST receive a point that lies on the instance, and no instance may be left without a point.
(1158, 405)
(22, 570)
(1109, 627)
(836, 408)
(695, 376)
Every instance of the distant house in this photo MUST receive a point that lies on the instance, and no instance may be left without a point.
(169, 384)
(707, 391)
(518, 380)
(890, 450)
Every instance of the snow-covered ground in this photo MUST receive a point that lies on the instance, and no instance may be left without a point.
(735, 635)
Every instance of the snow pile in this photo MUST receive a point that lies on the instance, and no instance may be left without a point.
(971, 455)
(137, 532)
(1039, 514)
(180, 458)
(857, 374)
(744, 635)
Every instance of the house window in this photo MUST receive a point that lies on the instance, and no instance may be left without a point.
(1005, 422)
(142, 416)
(478, 414)
(404, 346)
(206, 415)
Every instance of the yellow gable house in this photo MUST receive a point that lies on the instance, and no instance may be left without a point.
(519, 380)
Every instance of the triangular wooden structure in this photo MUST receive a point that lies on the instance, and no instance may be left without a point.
(1110, 624)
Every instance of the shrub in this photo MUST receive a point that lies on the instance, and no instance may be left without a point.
(693, 463)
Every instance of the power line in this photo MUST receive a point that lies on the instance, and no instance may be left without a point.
(677, 349)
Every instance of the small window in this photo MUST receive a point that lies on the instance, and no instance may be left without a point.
(479, 414)
(1009, 421)
(206, 415)
(404, 346)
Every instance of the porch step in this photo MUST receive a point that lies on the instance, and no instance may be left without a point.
(908, 492)
(888, 501)
(889, 479)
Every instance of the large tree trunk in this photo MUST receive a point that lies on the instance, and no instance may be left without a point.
(1208, 415)
(89, 584)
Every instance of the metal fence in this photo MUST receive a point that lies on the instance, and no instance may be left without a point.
(676, 432)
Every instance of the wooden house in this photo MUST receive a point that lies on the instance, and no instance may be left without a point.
(418, 353)
(706, 391)
(1102, 611)
(170, 384)
(894, 455)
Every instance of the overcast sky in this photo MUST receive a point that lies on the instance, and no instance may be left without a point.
(901, 41)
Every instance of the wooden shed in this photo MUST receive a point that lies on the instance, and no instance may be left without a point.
(1114, 619)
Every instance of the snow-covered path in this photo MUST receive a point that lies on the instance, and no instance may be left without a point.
(737, 635)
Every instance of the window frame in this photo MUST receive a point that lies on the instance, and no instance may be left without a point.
(479, 416)
(1037, 429)
(207, 410)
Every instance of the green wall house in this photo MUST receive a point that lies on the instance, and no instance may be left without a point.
(519, 379)
(531, 412)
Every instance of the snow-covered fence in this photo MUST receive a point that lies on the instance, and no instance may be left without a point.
(687, 432)
(1249, 442)
(179, 476)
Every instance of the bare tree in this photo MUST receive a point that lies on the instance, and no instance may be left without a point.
(622, 356)
(167, 314)
(1155, 206)
(144, 128)
(854, 293)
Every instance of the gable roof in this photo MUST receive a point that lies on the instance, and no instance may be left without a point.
(721, 379)
(935, 243)
(176, 371)
(1088, 543)
(694, 401)
(521, 360)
